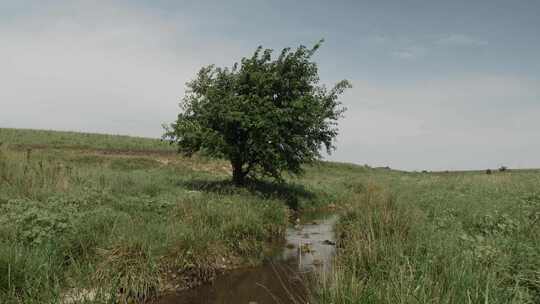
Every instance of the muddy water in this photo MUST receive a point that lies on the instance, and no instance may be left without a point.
(284, 278)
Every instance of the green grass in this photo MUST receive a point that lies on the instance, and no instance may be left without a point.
(83, 213)
(439, 238)
(27, 138)
(129, 226)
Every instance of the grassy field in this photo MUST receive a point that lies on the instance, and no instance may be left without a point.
(127, 218)
(84, 214)
(27, 138)
(439, 238)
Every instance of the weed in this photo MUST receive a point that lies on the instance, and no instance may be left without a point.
(129, 272)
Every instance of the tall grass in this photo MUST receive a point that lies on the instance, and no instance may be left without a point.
(122, 227)
(454, 238)
(126, 227)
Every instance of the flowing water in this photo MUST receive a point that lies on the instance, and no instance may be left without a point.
(284, 278)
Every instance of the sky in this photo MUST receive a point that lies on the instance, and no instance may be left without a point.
(437, 85)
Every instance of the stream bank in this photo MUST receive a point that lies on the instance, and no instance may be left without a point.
(285, 275)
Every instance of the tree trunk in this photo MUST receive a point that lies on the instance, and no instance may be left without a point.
(238, 174)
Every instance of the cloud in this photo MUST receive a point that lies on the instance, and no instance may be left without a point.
(408, 48)
(411, 52)
(381, 39)
(467, 122)
(100, 68)
(460, 40)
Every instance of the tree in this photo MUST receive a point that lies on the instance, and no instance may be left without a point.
(265, 115)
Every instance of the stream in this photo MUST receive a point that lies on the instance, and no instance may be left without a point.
(283, 278)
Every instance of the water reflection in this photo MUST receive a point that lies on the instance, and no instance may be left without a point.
(283, 279)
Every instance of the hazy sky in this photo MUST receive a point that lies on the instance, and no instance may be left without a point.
(437, 84)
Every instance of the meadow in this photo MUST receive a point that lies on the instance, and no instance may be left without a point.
(126, 219)
(80, 215)
(465, 237)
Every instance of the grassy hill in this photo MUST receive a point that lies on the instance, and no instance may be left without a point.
(82, 211)
(28, 138)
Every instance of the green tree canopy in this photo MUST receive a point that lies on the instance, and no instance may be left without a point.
(265, 115)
